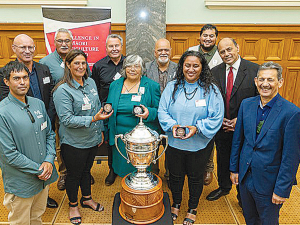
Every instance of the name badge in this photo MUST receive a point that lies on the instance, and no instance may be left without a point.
(62, 65)
(86, 106)
(46, 80)
(200, 102)
(86, 100)
(43, 125)
(142, 90)
(136, 98)
(117, 76)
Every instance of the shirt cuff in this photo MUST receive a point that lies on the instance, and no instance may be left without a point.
(88, 121)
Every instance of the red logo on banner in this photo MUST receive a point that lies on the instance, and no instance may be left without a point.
(90, 39)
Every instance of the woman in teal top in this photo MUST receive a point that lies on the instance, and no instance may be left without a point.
(132, 89)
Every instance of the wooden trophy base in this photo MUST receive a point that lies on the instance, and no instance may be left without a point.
(141, 206)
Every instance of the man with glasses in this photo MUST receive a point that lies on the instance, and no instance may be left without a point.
(104, 72)
(56, 60)
(27, 149)
(40, 80)
(162, 70)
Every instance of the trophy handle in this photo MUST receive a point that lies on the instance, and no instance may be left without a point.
(116, 144)
(160, 138)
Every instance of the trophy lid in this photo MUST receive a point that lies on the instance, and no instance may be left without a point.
(141, 134)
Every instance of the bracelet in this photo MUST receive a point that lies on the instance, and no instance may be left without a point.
(197, 131)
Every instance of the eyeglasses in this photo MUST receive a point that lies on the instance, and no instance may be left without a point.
(29, 114)
(24, 48)
(18, 79)
(60, 41)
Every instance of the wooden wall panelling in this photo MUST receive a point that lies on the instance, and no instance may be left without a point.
(291, 85)
(258, 43)
(294, 51)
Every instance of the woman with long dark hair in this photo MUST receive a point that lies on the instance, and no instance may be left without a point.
(81, 129)
(191, 112)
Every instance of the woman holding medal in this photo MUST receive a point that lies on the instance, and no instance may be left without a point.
(131, 89)
(81, 129)
(191, 112)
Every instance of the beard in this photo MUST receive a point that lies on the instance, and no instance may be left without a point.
(207, 48)
(163, 61)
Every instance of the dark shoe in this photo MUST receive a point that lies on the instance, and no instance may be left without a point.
(77, 218)
(207, 178)
(61, 183)
(216, 194)
(110, 179)
(176, 207)
(51, 203)
(92, 180)
(189, 221)
(99, 207)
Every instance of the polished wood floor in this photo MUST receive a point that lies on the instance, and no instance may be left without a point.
(223, 211)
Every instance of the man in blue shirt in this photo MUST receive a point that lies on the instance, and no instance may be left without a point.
(265, 148)
(27, 149)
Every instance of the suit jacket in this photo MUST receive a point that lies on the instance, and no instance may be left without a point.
(152, 71)
(243, 87)
(274, 155)
(45, 88)
(150, 99)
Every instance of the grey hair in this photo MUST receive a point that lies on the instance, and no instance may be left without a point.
(270, 66)
(63, 30)
(114, 36)
(132, 60)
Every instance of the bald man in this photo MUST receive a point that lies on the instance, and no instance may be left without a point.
(235, 78)
(162, 70)
(41, 83)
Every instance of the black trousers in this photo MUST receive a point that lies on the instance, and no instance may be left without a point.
(78, 163)
(223, 142)
(193, 165)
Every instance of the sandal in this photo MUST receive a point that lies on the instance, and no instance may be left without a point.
(99, 207)
(177, 207)
(188, 221)
(76, 218)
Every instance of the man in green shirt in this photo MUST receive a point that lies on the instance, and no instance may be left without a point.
(27, 149)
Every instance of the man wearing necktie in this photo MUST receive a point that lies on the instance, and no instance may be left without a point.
(235, 78)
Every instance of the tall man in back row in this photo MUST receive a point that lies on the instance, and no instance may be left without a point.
(265, 149)
(235, 78)
(104, 72)
(208, 48)
(27, 149)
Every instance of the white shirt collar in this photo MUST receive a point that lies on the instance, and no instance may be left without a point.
(235, 65)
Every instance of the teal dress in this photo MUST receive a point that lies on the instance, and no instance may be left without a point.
(123, 120)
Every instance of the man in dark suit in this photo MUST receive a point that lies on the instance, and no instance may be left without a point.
(41, 83)
(235, 78)
(266, 149)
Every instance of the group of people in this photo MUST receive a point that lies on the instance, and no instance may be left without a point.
(213, 96)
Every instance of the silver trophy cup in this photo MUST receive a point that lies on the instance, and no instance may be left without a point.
(141, 144)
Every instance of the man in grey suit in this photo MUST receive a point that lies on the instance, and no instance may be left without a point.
(162, 70)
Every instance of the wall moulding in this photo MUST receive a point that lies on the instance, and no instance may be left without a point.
(44, 2)
(254, 4)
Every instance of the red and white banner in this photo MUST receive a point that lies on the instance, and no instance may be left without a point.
(90, 27)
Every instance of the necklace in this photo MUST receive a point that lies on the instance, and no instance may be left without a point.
(128, 90)
(191, 93)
